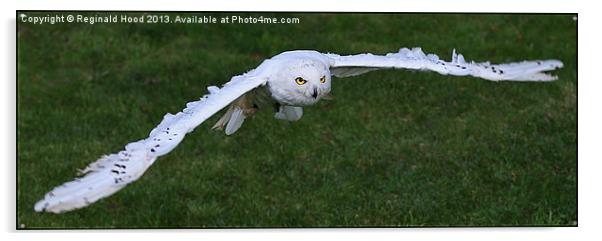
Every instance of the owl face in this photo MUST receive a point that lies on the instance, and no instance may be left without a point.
(300, 82)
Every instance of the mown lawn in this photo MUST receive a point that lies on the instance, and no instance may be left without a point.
(394, 148)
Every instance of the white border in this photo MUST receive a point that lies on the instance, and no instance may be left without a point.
(589, 121)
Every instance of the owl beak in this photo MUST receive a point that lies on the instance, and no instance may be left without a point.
(315, 93)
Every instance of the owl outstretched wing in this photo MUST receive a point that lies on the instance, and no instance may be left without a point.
(415, 59)
(112, 172)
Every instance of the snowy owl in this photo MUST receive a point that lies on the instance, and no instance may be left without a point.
(287, 82)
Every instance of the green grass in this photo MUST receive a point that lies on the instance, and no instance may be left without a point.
(394, 148)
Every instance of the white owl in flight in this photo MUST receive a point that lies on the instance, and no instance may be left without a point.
(287, 81)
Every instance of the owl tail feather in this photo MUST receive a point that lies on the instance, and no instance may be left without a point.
(232, 120)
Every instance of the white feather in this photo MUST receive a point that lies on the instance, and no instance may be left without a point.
(113, 172)
(236, 119)
(416, 59)
(289, 113)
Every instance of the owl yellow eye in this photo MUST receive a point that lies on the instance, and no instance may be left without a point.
(323, 79)
(300, 81)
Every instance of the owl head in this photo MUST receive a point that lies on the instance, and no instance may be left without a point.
(300, 82)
